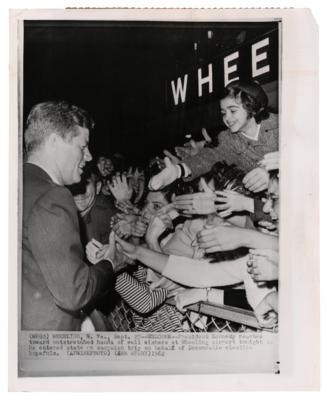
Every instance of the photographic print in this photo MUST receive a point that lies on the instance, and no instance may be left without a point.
(149, 189)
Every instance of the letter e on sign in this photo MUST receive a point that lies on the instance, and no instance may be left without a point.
(256, 58)
(228, 69)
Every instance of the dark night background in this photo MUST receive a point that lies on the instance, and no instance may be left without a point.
(121, 71)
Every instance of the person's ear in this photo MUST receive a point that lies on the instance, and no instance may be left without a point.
(53, 139)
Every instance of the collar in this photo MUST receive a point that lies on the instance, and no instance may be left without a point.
(54, 179)
(256, 137)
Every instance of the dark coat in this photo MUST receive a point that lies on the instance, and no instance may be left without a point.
(56, 281)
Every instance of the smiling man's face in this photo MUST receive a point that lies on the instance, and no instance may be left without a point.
(72, 155)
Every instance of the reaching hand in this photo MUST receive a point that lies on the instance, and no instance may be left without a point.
(168, 175)
(196, 203)
(123, 228)
(126, 207)
(221, 238)
(129, 249)
(157, 226)
(270, 255)
(94, 251)
(175, 160)
(139, 227)
(120, 188)
(267, 311)
(270, 161)
(202, 203)
(256, 180)
(165, 283)
(263, 265)
(231, 201)
(118, 260)
(188, 297)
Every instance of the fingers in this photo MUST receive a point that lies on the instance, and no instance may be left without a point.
(97, 243)
(171, 157)
(260, 185)
(205, 186)
(226, 213)
(165, 209)
(213, 249)
(250, 176)
(208, 243)
(222, 206)
(256, 180)
(185, 197)
(205, 135)
(267, 321)
(167, 162)
(270, 161)
(159, 283)
(269, 164)
(180, 304)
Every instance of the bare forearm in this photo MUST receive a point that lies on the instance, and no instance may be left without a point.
(202, 274)
(152, 259)
(258, 240)
(153, 244)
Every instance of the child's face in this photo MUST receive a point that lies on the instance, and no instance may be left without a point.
(271, 206)
(154, 202)
(85, 201)
(235, 117)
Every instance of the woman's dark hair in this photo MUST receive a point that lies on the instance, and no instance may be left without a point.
(254, 99)
(228, 177)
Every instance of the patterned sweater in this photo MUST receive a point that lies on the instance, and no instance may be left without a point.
(235, 148)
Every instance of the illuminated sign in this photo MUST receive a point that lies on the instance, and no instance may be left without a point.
(257, 60)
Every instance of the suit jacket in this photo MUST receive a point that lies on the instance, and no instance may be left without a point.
(235, 148)
(56, 281)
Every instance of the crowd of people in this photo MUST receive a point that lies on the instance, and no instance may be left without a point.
(197, 225)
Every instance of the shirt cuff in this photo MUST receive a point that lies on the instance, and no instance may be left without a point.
(187, 170)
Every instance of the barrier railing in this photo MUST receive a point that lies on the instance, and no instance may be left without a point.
(200, 317)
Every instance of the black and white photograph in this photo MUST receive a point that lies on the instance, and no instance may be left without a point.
(149, 193)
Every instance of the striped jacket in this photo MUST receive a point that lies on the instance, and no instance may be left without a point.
(149, 311)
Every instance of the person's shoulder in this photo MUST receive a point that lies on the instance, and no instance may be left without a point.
(271, 122)
(35, 177)
(56, 196)
(36, 186)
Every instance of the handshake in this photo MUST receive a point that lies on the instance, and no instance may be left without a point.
(96, 252)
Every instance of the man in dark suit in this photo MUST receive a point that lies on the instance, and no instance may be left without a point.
(57, 284)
